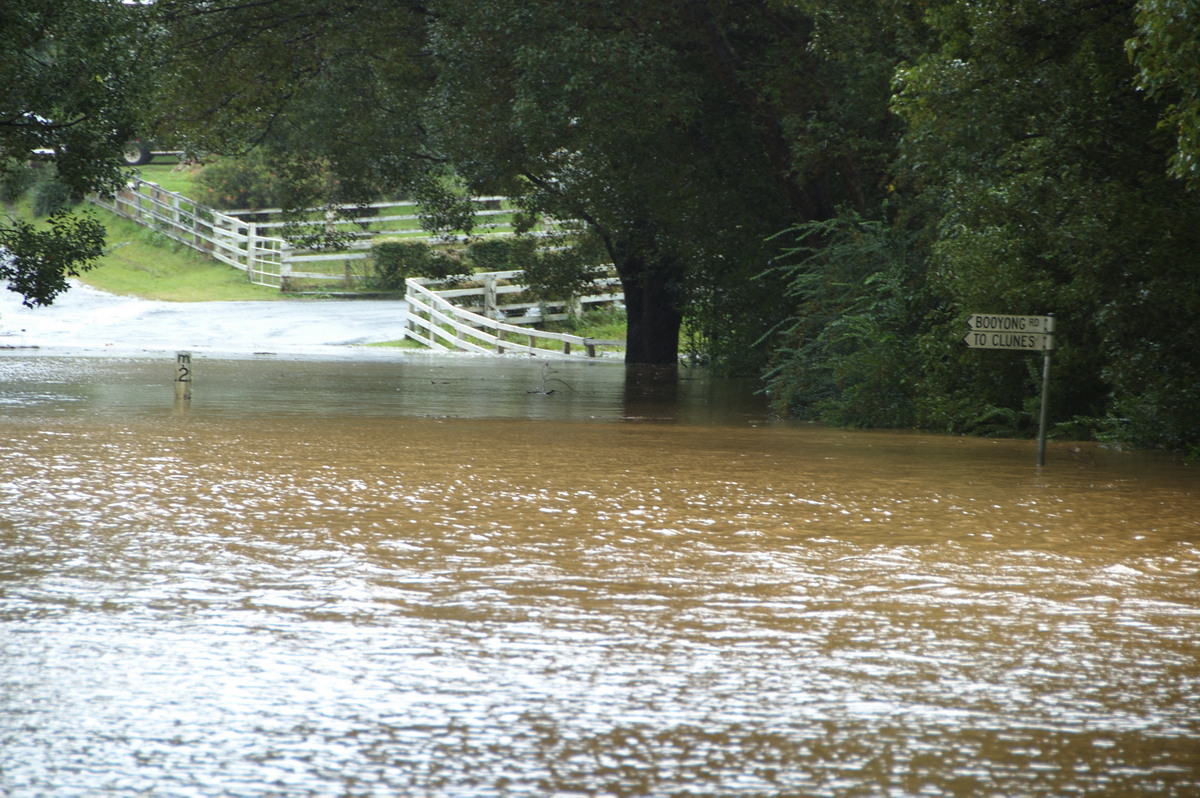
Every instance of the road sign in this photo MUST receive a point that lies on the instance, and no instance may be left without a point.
(999, 322)
(1009, 340)
(1029, 333)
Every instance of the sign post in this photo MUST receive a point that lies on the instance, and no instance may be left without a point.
(1022, 333)
(1041, 450)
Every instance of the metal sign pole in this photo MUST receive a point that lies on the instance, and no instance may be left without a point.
(1041, 448)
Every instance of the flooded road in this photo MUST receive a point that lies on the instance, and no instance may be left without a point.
(473, 577)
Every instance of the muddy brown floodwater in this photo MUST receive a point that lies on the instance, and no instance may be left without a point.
(433, 577)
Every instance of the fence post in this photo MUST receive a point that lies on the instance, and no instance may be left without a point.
(251, 249)
(197, 238)
(285, 266)
(489, 296)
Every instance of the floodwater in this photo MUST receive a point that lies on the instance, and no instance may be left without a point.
(488, 577)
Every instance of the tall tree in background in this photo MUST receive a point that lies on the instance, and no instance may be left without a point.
(684, 135)
(72, 82)
(331, 89)
(660, 125)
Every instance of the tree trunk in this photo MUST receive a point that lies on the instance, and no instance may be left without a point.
(652, 299)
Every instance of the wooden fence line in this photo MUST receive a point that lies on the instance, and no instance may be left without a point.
(438, 323)
(479, 326)
(270, 260)
(230, 240)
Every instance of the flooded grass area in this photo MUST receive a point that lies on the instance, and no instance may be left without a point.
(454, 576)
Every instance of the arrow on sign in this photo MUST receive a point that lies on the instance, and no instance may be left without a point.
(1000, 322)
(1008, 340)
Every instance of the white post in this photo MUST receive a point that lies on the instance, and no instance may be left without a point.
(489, 296)
(251, 249)
(285, 266)
(183, 377)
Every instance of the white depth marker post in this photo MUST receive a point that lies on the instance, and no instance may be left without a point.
(183, 377)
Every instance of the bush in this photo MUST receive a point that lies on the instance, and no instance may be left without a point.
(395, 261)
(238, 183)
(561, 275)
(48, 193)
(849, 357)
(16, 178)
(501, 254)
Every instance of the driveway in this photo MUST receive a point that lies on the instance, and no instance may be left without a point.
(85, 319)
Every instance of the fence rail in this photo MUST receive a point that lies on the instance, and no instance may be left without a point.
(250, 240)
(438, 323)
(237, 243)
(487, 309)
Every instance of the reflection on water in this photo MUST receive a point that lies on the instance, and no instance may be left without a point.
(438, 578)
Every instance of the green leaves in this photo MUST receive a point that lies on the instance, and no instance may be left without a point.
(72, 90)
(38, 261)
(1166, 51)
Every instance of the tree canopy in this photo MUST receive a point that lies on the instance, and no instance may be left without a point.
(71, 89)
(1166, 51)
(682, 136)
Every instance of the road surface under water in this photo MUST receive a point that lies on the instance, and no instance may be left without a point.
(460, 576)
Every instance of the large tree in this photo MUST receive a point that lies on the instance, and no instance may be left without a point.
(683, 135)
(72, 84)
(686, 135)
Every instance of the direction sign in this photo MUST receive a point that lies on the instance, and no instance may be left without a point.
(1000, 322)
(1008, 340)
(1005, 331)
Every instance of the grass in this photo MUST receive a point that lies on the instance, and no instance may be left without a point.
(171, 176)
(602, 324)
(140, 262)
(143, 263)
(403, 343)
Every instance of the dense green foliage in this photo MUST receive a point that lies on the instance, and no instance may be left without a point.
(395, 261)
(242, 183)
(1166, 51)
(1044, 166)
(1031, 178)
(71, 91)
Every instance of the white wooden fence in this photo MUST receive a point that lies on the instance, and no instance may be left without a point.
(244, 240)
(498, 295)
(438, 323)
(484, 317)
(228, 239)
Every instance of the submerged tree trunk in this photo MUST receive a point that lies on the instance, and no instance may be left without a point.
(652, 300)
